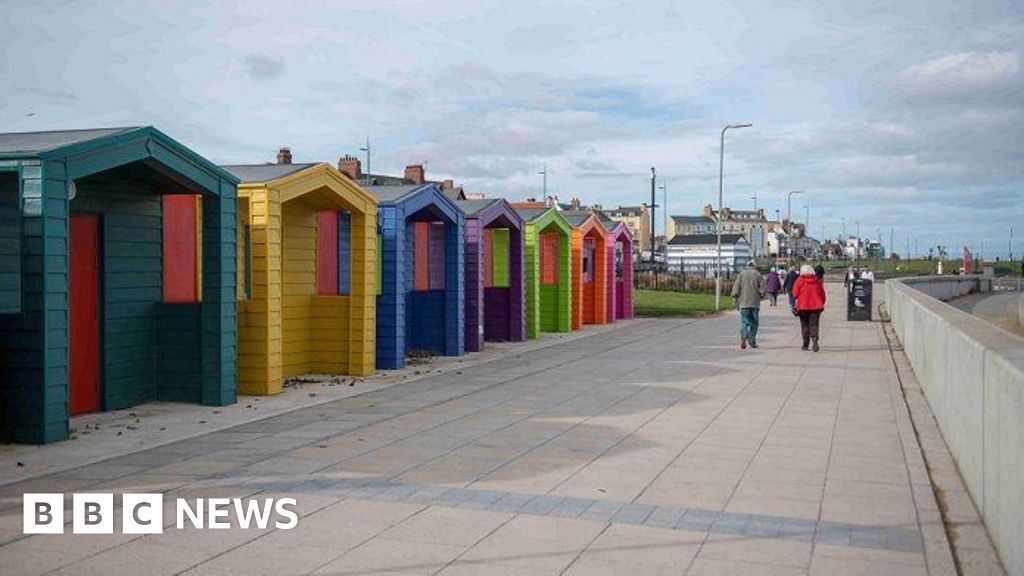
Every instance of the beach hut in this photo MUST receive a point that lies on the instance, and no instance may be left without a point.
(420, 300)
(307, 245)
(589, 268)
(117, 276)
(495, 291)
(620, 270)
(547, 244)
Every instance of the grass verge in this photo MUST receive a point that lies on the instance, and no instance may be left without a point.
(660, 303)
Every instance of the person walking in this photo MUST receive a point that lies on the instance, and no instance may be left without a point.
(809, 293)
(772, 286)
(819, 271)
(788, 284)
(747, 292)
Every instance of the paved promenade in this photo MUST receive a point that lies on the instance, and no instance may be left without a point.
(657, 448)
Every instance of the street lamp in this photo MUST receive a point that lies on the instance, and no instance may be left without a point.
(718, 220)
(367, 149)
(789, 208)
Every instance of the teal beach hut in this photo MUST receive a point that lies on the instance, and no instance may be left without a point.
(117, 277)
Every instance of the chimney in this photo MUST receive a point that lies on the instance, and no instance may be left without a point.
(415, 173)
(351, 167)
(284, 155)
(448, 184)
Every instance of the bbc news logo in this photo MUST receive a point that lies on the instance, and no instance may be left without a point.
(144, 513)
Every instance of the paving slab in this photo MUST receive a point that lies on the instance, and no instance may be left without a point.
(647, 447)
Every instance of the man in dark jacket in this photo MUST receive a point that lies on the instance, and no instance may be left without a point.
(788, 284)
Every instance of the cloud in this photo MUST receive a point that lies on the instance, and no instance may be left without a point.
(263, 67)
(909, 116)
(961, 73)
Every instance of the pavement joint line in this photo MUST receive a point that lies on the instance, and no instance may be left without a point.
(763, 526)
(526, 347)
(638, 332)
(575, 358)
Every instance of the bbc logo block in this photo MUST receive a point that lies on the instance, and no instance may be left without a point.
(95, 513)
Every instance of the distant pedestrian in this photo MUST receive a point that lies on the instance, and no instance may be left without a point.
(772, 286)
(788, 285)
(849, 277)
(747, 292)
(819, 271)
(867, 274)
(809, 292)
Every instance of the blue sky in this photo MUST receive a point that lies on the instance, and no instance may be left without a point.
(904, 114)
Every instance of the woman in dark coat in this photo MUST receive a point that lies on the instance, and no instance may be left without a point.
(772, 286)
(809, 292)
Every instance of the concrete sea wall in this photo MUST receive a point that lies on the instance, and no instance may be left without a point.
(973, 376)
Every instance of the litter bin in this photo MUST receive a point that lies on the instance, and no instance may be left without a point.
(858, 300)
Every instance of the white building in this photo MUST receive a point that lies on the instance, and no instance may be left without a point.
(854, 248)
(698, 253)
(777, 242)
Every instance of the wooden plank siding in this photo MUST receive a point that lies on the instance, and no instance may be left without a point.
(120, 178)
(547, 310)
(590, 304)
(400, 309)
(285, 327)
(22, 343)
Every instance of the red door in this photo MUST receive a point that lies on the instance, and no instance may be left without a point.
(83, 303)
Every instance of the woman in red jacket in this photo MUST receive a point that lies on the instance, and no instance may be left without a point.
(809, 292)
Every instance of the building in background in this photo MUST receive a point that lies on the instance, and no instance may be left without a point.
(690, 225)
(698, 253)
(750, 223)
(415, 174)
(637, 219)
(855, 248)
(776, 242)
(874, 250)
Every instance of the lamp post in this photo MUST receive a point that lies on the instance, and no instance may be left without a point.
(718, 219)
(544, 173)
(789, 209)
(664, 206)
(654, 205)
(367, 150)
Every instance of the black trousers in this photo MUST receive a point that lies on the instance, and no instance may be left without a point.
(809, 322)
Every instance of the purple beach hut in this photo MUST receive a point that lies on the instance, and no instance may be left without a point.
(495, 291)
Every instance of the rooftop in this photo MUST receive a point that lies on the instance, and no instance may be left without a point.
(692, 219)
(38, 142)
(705, 239)
(473, 207)
(264, 172)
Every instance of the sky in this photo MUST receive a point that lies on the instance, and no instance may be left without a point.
(904, 117)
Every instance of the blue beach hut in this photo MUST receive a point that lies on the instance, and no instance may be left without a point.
(421, 284)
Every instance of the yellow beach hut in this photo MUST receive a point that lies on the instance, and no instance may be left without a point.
(307, 266)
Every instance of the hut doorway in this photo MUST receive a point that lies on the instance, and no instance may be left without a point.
(83, 311)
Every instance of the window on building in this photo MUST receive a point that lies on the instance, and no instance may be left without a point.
(549, 244)
(333, 253)
(327, 253)
(428, 256)
(496, 253)
(180, 248)
(588, 260)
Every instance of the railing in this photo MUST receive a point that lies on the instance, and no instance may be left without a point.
(972, 374)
